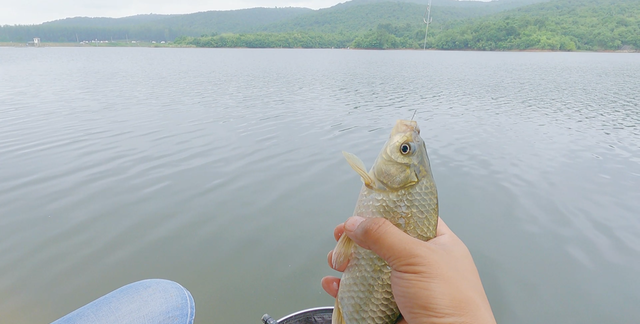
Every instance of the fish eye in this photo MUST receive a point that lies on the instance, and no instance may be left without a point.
(405, 148)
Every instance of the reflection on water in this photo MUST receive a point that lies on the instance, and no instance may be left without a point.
(221, 169)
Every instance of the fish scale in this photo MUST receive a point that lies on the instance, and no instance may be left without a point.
(365, 294)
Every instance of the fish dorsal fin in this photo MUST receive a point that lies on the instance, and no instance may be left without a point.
(359, 167)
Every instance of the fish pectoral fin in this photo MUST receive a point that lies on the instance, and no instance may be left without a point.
(359, 167)
(342, 251)
(336, 317)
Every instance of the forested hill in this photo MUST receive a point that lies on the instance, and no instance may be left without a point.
(566, 25)
(245, 20)
(150, 27)
(349, 17)
(354, 16)
(555, 25)
(502, 4)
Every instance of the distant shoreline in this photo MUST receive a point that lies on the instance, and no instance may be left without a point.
(172, 45)
(111, 44)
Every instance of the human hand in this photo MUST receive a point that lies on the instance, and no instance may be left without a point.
(432, 282)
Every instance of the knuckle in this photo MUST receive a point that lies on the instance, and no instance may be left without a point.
(376, 227)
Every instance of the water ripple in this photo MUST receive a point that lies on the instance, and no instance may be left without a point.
(119, 164)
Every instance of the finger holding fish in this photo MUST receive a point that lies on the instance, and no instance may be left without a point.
(331, 285)
(340, 268)
(338, 231)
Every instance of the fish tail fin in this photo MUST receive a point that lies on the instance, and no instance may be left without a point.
(342, 251)
(337, 317)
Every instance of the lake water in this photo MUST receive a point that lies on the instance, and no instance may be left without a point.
(221, 169)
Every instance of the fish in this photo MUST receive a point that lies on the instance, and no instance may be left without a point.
(399, 187)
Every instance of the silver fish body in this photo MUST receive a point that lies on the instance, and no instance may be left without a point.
(400, 188)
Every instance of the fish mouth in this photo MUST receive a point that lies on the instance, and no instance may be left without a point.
(406, 130)
(405, 126)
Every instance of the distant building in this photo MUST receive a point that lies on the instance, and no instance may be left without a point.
(36, 42)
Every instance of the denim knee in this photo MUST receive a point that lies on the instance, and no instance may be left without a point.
(155, 301)
(166, 300)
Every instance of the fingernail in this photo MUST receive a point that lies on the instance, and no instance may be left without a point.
(352, 223)
(335, 285)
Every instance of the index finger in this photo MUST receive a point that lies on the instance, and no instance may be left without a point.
(338, 231)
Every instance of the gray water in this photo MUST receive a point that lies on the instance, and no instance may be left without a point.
(221, 169)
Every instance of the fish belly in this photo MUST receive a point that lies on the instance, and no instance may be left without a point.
(365, 292)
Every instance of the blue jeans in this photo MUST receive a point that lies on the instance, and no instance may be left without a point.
(153, 301)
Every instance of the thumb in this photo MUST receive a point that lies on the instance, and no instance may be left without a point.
(383, 238)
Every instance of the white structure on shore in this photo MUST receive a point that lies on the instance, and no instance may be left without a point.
(36, 42)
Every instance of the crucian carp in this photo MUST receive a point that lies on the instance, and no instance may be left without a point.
(400, 188)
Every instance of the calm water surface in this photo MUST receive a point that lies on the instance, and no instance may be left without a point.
(221, 169)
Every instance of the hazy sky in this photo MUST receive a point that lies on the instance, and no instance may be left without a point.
(14, 12)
